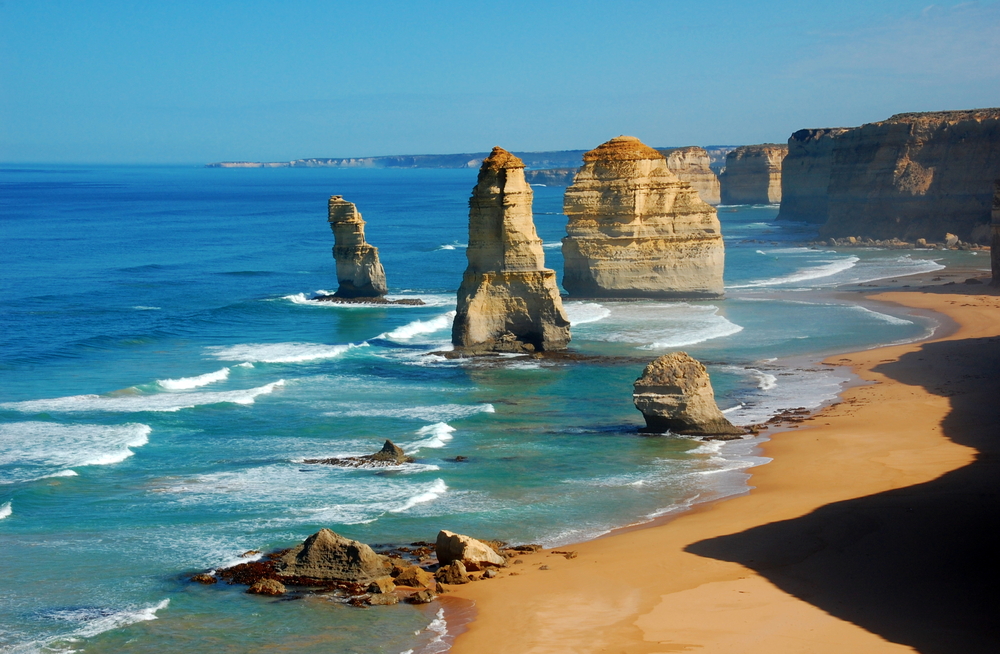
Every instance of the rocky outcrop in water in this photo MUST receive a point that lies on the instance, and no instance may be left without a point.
(636, 230)
(326, 555)
(358, 269)
(675, 394)
(753, 174)
(693, 165)
(390, 455)
(916, 175)
(508, 300)
(995, 242)
(805, 175)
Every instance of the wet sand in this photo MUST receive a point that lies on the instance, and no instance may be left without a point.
(876, 527)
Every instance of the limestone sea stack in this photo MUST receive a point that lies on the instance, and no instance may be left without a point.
(359, 271)
(675, 394)
(753, 174)
(508, 300)
(805, 175)
(635, 230)
(995, 242)
(692, 165)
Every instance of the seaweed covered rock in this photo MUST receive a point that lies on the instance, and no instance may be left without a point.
(390, 455)
(675, 394)
(328, 556)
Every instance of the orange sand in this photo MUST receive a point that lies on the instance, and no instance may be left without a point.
(872, 530)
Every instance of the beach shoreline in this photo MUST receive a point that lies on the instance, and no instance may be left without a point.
(674, 583)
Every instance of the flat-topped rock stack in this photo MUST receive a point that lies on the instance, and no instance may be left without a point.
(693, 165)
(508, 300)
(805, 175)
(753, 174)
(359, 272)
(636, 230)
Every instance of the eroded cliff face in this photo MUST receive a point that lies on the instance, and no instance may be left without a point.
(753, 174)
(995, 241)
(636, 230)
(692, 165)
(917, 175)
(805, 175)
(359, 271)
(508, 300)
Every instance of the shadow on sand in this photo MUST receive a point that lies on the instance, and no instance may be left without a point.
(919, 565)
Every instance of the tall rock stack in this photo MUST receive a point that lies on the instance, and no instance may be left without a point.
(805, 175)
(636, 230)
(692, 165)
(508, 300)
(753, 174)
(995, 243)
(359, 271)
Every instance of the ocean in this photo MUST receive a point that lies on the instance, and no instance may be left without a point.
(165, 372)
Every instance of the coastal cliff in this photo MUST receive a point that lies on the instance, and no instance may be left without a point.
(753, 174)
(916, 175)
(693, 165)
(995, 241)
(636, 230)
(508, 300)
(359, 271)
(805, 175)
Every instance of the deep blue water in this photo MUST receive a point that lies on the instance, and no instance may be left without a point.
(163, 372)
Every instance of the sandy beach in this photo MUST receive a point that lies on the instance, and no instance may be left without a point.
(873, 529)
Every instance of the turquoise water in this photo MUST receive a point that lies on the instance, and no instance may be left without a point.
(164, 373)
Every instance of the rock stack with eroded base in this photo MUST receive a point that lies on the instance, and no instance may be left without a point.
(753, 174)
(508, 300)
(359, 271)
(636, 230)
(675, 394)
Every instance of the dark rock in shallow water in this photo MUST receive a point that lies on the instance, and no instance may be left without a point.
(329, 556)
(415, 302)
(422, 597)
(390, 455)
(204, 579)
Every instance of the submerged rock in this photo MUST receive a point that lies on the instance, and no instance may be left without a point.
(753, 174)
(636, 230)
(508, 300)
(473, 554)
(675, 394)
(329, 556)
(359, 271)
(390, 455)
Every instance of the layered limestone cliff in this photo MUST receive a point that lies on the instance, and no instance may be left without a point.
(508, 300)
(805, 175)
(693, 165)
(917, 175)
(753, 174)
(995, 241)
(358, 269)
(636, 230)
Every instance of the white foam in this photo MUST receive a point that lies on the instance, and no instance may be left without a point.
(656, 325)
(433, 413)
(137, 402)
(418, 327)
(805, 274)
(428, 301)
(187, 383)
(142, 308)
(552, 246)
(279, 352)
(584, 312)
(5, 510)
(31, 448)
(96, 620)
(433, 436)
(436, 490)
(881, 317)
(452, 246)
(765, 381)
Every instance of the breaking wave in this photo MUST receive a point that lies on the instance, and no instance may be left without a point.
(187, 383)
(136, 402)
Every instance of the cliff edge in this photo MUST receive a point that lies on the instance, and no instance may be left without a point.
(753, 174)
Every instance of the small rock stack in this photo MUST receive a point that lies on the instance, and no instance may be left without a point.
(359, 271)
(508, 300)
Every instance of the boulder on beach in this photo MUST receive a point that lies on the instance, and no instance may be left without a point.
(453, 573)
(675, 394)
(414, 576)
(329, 556)
(390, 455)
(474, 554)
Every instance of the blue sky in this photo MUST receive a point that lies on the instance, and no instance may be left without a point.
(194, 82)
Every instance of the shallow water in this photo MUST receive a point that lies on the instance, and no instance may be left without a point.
(164, 373)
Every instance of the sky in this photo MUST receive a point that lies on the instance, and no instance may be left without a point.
(88, 81)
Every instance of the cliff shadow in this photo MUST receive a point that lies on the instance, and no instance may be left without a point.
(919, 565)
